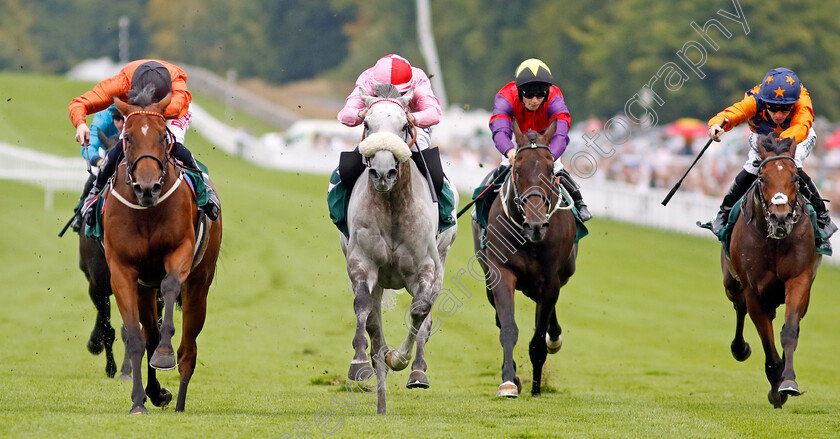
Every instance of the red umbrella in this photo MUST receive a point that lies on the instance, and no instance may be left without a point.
(687, 127)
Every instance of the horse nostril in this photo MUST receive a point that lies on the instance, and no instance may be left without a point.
(156, 187)
(373, 173)
(544, 225)
(392, 174)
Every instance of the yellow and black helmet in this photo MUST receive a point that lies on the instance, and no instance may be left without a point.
(533, 71)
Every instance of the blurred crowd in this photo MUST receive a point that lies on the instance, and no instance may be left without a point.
(651, 158)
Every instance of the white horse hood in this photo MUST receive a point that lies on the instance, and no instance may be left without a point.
(385, 141)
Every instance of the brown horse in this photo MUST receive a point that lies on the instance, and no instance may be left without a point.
(150, 224)
(530, 247)
(772, 261)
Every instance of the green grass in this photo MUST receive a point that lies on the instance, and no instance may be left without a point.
(645, 321)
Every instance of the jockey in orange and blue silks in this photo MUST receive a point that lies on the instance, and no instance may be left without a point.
(779, 106)
(533, 102)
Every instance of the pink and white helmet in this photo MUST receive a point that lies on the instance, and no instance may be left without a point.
(395, 70)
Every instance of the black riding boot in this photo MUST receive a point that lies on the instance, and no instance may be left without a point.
(183, 155)
(106, 170)
(813, 195)
(574, 191)
(76, 224)
(739, 187)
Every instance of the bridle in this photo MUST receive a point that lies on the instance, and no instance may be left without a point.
(794, 204)
(410, 129)
(520, 200)
(131, 166)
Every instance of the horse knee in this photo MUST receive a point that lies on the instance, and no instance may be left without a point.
(420, 309)
(170, 284)
(135, 342)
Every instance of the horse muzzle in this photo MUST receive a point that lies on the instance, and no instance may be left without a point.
(534, 231)
(147, 194)
(779, 225)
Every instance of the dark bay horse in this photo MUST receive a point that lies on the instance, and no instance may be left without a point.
(93, 265)
(530, 247)
(772, 262)
(150, 234)
(393, 244)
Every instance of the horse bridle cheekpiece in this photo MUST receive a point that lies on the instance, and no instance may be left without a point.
(778, 198)
(132, 165)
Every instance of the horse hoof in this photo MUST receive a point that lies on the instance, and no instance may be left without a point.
(163, 361)
(396, 361)
(789, 388)
(110, 370)
(417, 380)
(139, 410)
(165, 398)
(95, 347)
(508, 389)
(125, 377)
(360, 371)
(553, 345)
(743, 354)
(777, 404)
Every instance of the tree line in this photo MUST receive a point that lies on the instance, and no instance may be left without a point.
(694, 57)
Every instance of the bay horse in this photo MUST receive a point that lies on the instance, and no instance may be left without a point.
(393, 242)
(530, 246)
(150, 224)
(772, 261)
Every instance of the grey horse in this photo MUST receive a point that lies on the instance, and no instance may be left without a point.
(393, 243)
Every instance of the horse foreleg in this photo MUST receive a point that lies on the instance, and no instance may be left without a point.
(508, 334)
(798, 292)
(740, 348)
(378, 348)
(418, 378)
(537, 348)
(146, 299)
(553, 337)
(194, 308)
(177, 267)
(125, 369)
(124, 285)
(772, 363)
(360, 368)
(421, 305)
(102, 336)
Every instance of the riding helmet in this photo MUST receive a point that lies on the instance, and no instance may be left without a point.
(780, 86)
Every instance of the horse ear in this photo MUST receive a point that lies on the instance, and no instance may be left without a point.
(789, 145)
(765, 143)
(368, 99)
(406, 98)
(122, 106)
(163, 103)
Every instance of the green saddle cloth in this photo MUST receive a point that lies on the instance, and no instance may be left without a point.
(338, 199)
(483, 204)
(725, 234)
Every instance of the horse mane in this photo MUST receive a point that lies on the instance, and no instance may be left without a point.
(142, 98)
(776, 145)
(386, 91)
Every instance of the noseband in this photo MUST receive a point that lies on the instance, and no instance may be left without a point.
(131, 166)
(794, 204)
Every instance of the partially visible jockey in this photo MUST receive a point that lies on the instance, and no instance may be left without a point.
(533, 102)
(423, 112)
(105, 130)
(780, 106)
(134, 77)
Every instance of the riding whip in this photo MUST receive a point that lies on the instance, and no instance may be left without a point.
(489, 186)
(677, 186)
